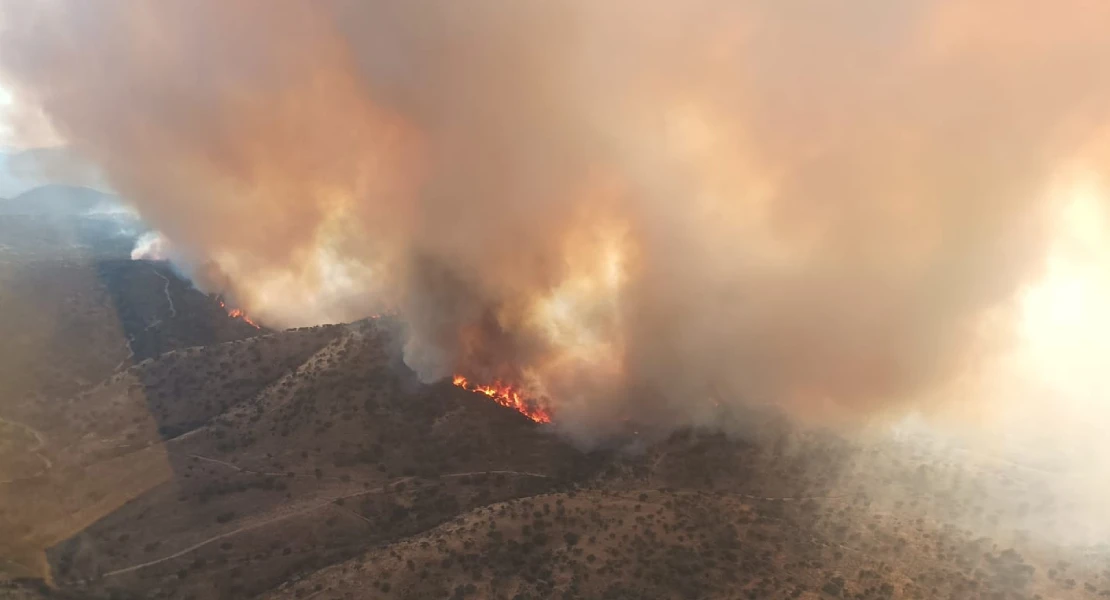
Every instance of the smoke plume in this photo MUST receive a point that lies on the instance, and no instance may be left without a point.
(636, 209)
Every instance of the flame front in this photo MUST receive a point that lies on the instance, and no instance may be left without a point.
(507, 396)
(237, 313)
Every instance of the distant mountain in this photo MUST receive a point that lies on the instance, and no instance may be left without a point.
(61, 200)
(13, 179)
(25, 169)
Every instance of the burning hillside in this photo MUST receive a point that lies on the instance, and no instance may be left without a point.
(507, 396)
(237, 313)
(608, 196)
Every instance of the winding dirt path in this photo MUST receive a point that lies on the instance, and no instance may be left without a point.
(788, 498)
(232, 466)
(327, 502)
(166, 291)
(130, 353)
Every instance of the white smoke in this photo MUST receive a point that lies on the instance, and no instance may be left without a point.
(152, 246)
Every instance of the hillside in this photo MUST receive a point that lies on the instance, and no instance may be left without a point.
(112, 443)
(311, 463)
(30, 239)
(65, 223)
(653, 526)
(60, 200)
(282, 480)
(151, 446)
(69, 324)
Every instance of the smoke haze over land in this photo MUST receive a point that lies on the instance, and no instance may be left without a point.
(636, 209)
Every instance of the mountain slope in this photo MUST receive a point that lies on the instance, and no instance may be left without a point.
(60, 200)
(69, 324)
(312, 463)
(336, 454)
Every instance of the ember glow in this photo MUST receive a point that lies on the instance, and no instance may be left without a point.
(507, 396)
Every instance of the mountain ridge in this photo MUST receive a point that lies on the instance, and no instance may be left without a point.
(61, 200)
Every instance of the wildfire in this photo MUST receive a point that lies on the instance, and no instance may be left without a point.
(237, 313)
(508, 396)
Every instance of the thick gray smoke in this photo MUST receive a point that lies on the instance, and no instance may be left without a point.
(636, 208)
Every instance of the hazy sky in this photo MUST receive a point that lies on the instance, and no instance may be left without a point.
(6, 101)
(22, 125)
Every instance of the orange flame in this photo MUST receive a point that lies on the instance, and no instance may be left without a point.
(237, 313)
(507, 396)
